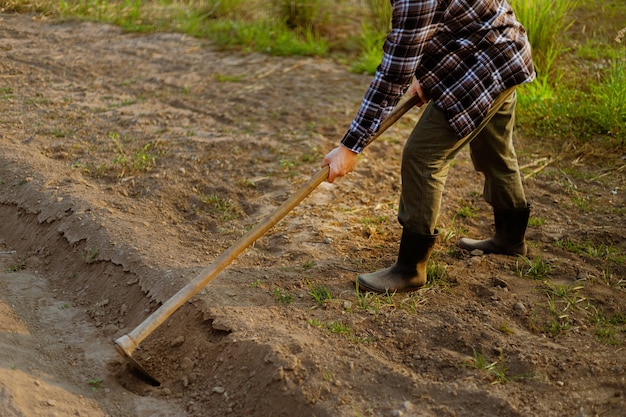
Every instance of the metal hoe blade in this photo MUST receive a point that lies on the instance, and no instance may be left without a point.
(123, 347)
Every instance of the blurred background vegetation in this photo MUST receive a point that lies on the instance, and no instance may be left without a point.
(579, 47)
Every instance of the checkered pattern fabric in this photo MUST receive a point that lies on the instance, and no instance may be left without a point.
(463, 52)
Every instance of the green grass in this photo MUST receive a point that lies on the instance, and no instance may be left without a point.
(224, 207)
(600, 251)
(545, 25)
(19, 266)
(579, 96)
(536, 268)
(320, 293)
(283, 297)
(467, 212)
(496, 369)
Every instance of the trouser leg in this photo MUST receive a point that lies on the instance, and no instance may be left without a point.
(493, 154)
(430, 149)
(426, 158)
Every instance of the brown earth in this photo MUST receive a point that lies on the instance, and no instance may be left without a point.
(129, 162)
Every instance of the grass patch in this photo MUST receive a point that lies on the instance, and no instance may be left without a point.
(225, 208)
(497, 370)
(320, 293)
(600, 251)
(282, 297)
(16, 267)
(536, 268)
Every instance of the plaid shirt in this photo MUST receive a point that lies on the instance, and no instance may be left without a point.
(463, 52)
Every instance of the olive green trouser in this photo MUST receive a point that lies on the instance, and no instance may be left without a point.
(430, 149)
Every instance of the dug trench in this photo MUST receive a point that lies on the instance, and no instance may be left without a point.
(127, 164)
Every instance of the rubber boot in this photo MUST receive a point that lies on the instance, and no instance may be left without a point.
(409, 271)
(509, 237)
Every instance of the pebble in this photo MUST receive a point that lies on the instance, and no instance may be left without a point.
(219, 390)
(499, 282)
(519, 307)
(178, 341)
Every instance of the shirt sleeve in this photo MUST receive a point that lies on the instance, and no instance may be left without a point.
(413, 24)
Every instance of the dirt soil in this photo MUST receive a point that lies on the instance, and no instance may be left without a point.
(129, 162)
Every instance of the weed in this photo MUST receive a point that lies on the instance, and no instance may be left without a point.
(367, 301)
(139, 160)
(95, 383)
(19, 266)
(282, 296)
(506, 328)
(248, 183)
(536, 221)
(557, 326)
(228, 78)
(225, 207)
(374, 220)
(600, 251)
(320, 293)
(535, 268)
(373, 224)
(315, 323)
(437, 273)
(6, 93)
(91, 254)
(339, 328)
(308, 264)
(497, 369)
(467, 212)
(608, 329)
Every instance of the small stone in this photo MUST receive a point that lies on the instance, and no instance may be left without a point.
(187, 364)
(51, 403)
(397, 413)
(560, 383)
(178, 341)
(408, 405)
(520, 307)
(328, 241)
(219, 390)
(477, 252)
(499, 282)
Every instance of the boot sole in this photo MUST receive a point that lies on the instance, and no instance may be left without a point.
(368, 288)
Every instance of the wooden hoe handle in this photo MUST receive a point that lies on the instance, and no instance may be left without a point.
(129, 342)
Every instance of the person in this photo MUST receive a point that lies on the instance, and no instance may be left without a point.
(458, 56)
